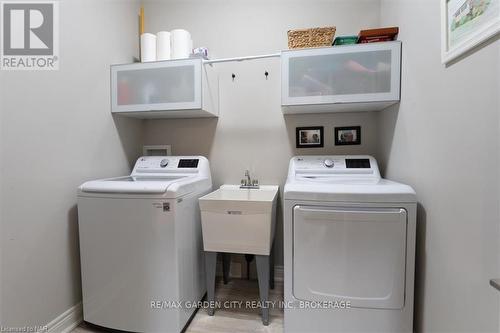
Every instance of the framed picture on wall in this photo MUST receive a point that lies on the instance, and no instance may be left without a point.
(347, 135)
(309, 137)
(466, 24)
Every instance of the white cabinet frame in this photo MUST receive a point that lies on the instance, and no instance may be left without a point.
(342, 102)
(204, 90)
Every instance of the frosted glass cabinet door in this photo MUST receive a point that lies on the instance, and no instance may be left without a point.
(156, 86)
(358, 73)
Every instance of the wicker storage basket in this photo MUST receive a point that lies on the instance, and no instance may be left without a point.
(313, 37)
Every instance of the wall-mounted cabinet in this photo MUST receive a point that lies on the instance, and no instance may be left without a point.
(360, 77)
(165, 89)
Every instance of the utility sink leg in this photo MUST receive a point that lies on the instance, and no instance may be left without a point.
(271, 268)
(226, 266)
(263, 276)
(210, 266)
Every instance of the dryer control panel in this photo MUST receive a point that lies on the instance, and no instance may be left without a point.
(335, 165)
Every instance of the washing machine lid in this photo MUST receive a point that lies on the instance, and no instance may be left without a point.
(168, 176)
(342, 179)
(129, 184)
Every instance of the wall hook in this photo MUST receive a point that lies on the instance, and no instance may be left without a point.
(233, 76)
(266, 73)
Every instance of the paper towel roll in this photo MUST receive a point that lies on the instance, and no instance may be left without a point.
(148, 47)
(163, 45)
(181, 43)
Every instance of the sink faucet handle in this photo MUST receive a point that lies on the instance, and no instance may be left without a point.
(249, 179)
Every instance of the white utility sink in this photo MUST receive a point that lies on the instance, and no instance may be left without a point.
(239, 220)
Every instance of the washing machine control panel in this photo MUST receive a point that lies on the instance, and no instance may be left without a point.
(165, 164)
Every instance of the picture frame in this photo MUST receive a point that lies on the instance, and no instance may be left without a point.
(345, 136)
(465, 24)
(309, 137)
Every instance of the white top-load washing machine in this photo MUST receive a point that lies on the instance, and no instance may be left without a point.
(349, 247)
(141, 245)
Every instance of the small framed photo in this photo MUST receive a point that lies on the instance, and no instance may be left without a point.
(309, 137)
(347, 135)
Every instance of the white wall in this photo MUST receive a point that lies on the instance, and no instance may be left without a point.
(443, 139)
(251, 132)
(1, 200)
(56, 132)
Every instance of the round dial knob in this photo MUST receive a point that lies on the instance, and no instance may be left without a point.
(328, 163)
(163, 163)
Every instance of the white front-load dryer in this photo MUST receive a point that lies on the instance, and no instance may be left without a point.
(349, 247)
(141, 245)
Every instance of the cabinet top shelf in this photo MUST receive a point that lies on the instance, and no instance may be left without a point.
(264, 56)
(346, 46)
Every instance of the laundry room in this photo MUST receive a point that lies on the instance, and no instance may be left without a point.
(250, 166)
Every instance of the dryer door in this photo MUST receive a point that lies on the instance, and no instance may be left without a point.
(357, 255)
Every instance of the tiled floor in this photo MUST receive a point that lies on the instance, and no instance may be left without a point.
(233, 319)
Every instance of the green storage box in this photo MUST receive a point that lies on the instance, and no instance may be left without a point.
(345, 40)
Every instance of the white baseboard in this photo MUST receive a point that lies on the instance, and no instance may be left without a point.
(66, 321)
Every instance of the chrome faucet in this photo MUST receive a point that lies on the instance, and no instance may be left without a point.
(249, 182)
